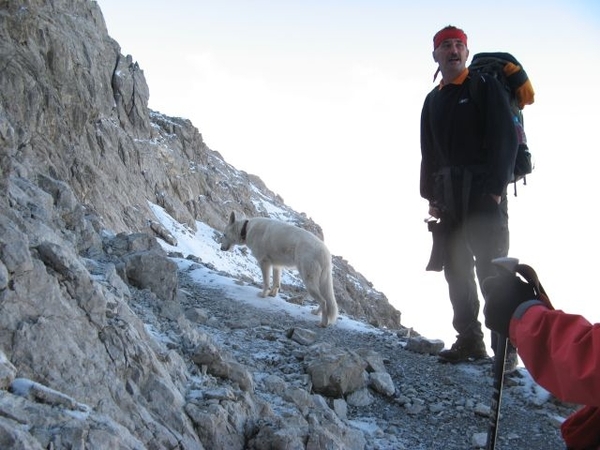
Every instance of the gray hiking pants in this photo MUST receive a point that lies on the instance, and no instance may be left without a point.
(470, 246)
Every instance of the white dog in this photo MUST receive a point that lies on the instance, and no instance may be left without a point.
(276, 244)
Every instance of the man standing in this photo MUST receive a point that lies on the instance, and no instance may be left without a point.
(468, 154)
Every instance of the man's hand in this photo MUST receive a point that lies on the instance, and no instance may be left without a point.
(503, 294)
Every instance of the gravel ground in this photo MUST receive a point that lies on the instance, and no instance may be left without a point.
(436, 406)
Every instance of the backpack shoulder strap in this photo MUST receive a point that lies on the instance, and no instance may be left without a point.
(475, 80)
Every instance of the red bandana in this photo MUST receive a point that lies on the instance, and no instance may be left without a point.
(448, 33)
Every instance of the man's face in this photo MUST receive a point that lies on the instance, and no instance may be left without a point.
(452, 56)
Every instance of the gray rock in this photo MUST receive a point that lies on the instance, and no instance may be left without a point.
(302, 336)
(341, 408)
(338, 373)
(423, 345)
(149, 270)
(3, 276)
(382, 382)
(8, 371)
(360, 397)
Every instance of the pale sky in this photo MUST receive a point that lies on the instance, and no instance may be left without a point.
(322, 100)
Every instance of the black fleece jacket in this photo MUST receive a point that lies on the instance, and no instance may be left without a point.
(458, 131)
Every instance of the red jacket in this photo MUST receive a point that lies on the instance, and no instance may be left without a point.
(562, 353)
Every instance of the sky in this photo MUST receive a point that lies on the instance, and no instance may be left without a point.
(322, 100)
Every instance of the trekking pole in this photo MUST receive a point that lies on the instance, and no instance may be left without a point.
(499, 362)
(511, 265)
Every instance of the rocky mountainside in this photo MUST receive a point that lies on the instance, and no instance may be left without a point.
(104, 341)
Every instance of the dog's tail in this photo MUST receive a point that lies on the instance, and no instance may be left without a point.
(330, 306)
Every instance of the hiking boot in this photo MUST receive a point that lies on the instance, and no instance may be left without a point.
(464, 351)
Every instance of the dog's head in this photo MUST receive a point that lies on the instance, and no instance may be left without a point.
(232, 234)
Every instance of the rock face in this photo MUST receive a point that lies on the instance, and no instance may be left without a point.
(81, 157)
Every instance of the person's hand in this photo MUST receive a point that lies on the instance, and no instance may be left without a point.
(503, 294)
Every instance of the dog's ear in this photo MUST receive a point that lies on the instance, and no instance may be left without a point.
(232, 217)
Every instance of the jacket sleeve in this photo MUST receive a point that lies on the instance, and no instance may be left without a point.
(427, 158)
(500, 137)
(561, 352)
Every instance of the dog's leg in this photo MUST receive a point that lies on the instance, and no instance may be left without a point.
(313, 290)
(310, 274)
(265, 268)
(324, 315)
(320, 287)
(276, 281)
(329, 311)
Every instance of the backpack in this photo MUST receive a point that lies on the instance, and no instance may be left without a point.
(509, 72)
